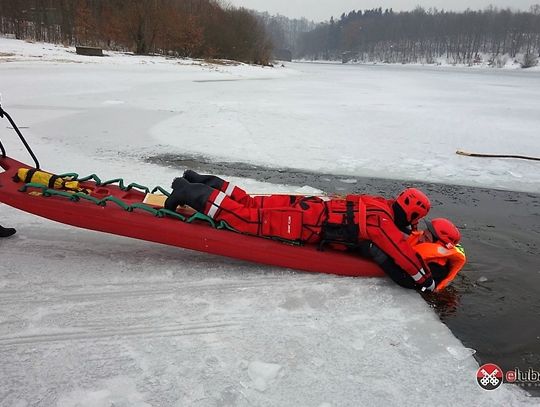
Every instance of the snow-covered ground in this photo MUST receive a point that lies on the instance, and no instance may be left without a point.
(89, 319)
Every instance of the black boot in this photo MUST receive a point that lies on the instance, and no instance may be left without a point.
(210, 180)
(177, 196)
(184, 193)
(6, 232)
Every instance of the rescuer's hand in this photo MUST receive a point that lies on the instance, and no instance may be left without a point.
(428, 285)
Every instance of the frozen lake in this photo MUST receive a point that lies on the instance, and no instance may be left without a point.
(97, 320)
(403, 122)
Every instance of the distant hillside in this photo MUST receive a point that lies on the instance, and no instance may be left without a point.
(421, 35)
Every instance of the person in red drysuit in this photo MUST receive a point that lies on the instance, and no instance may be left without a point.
(349, 222)
(438, 245)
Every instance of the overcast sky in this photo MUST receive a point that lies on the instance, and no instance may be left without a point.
(320, 10)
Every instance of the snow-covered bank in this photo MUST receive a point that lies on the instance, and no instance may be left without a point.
(95, 320)
(483, 62)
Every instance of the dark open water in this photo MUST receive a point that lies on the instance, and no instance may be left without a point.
(494, 306)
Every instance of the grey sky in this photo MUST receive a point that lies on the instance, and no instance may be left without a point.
(320, 10)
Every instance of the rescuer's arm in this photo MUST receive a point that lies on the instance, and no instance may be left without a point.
(388, 238)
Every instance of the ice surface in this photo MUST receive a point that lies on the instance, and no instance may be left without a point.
(116, 392)
(90, 319)
(460, 353)
(263, 374)
(383, 121)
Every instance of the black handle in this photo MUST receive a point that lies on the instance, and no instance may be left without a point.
(4, 113)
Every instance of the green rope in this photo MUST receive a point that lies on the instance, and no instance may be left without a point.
(49, 192)
(93, 177)
(71, 175)
(224, 225)
(200, 216)
(146, 208)
(120, 182)
(33, 185)
(79, 195)
(160, 213)
(159, 189)
(118, 202)
(172, 214)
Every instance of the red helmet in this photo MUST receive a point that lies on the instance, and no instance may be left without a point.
(415, 204)
(444, 231)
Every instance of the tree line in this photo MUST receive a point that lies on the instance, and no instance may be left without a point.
(426, 36)
(284, 32)
(185, 28)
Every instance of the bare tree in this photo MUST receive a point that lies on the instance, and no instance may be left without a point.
(425, 35)
(197, 28)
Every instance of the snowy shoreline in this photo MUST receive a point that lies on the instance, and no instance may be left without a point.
(508, 64)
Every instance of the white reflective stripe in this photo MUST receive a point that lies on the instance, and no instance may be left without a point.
(215, 205)
(230, 189)
(432, 286)
(417, 276)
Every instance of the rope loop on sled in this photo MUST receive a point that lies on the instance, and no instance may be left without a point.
(74, 196)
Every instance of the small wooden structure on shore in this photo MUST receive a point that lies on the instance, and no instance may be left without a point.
(90, 51)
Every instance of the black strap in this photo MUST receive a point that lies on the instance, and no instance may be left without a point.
(349, 219)
(52, 180)
(29, 175)
(351, 228)
(344, 233)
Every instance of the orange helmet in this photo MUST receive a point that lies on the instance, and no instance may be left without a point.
(415, 204)
(444, 231)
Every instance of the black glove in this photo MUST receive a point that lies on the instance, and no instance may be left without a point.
(428, 285)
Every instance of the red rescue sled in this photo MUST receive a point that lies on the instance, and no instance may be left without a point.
(140, 224)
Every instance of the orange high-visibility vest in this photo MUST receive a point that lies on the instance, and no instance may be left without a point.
(454, 258)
